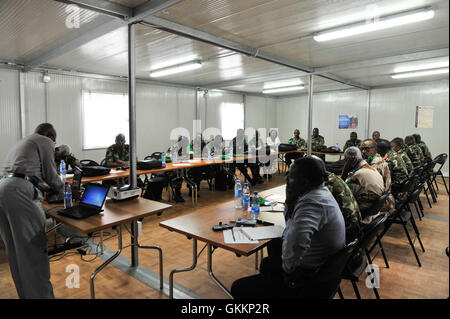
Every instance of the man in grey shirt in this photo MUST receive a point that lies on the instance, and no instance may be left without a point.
(30, 163)
(315, 230)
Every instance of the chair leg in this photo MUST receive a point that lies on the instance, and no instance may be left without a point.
(432, 192)
(382, 251)
(355, 288)
(411, 243)
(443, 180)
(419, 202)
(435, 183)
(417, 210)
(375, 290)
(426, 194)
(417, 233)
(340, 293)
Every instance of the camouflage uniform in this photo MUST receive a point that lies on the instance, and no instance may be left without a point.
(399, 174)
(383, 168)
(113, 154)
(426, 152)
(413, 155)
(349, 143)
(300, 143)
(348, 205)
(407, 160)
(175, 180)
(317, 143)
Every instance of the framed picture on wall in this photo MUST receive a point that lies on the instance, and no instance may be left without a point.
(424, 116)
(348, 121)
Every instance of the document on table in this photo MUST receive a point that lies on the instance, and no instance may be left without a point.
(274, 208)
(264, 232)
(239, 236)
(276, 218)
(184, 164)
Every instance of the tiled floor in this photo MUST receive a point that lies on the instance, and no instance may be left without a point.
(404, 279)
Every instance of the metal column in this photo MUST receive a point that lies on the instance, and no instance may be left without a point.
(368, 114)
(310, 109)
(132, 119)
(23, 122)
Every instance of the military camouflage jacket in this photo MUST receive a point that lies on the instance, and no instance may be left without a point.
(407, 160)
(399, 172)
(383, 168)
(349, 143)
(112, 154)
(348, 205)
(317, 142)
(413, 154)
(425, 151)
(300, 143)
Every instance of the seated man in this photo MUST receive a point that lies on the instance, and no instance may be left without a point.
(414, 152)
(353, 141)
(315, 230)
(63, 152)
(423, 147)
(118, 154)
(376, 136)
(300, 143)
(240, 147)
(317, 141)
(195, 174)
(256, 147)
(397, 167)
(398, 146)
(180, 150)
(363, 180)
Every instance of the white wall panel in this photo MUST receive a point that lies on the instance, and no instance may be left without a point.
(393, 114)
(35, 108)
(260, 113)
(292, 113)
(9, 111)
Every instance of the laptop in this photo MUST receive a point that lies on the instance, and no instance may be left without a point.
(91, 203)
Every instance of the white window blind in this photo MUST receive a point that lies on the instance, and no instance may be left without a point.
(232, 119)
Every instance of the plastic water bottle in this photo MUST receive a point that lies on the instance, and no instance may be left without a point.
(230, 152)
(255, 206)
(67, 195)
(245, 197)
(238, 194)
(174, 156)
(209, 156)
(163, 159)
(62, 170)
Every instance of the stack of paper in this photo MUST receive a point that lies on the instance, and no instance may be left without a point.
(265, 232)
(237, 236)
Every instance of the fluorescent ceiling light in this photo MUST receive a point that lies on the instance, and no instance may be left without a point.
(419, 73)
(284, 89)
(282, 83)
(376, 24)
(192, 65)
(425, 66)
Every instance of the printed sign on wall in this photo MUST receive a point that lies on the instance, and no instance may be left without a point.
(424, 116)
(348, 121)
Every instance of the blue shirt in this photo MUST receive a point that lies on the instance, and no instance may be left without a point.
(315, 231)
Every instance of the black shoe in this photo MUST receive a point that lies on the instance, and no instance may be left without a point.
(177, 198)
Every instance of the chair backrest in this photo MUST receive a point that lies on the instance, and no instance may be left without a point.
(103, 162)
(157, 155)
(378, 205)
(370, 231)
(440, 159)
(88, 162)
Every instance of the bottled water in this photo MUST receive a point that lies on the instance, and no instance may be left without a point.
(230, 152)
(67, 195)
(255, 206)
(174, 156)
(62, 170)
(163, 159)
(246, 197)
(209, 156)
(238, 194)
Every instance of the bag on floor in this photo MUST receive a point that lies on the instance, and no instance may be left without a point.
(154, 187)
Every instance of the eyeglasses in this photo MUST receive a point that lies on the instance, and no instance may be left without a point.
(366, 148)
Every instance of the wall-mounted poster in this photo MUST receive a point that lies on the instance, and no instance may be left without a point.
(424, 116)
(348, 121)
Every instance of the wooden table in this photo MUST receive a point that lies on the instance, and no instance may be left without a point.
(115, 214)
(198, 226)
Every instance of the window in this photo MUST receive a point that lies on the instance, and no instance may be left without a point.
(232, 119)
(104, 116)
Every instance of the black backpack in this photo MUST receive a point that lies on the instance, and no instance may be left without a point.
(151, 163)
(92, 168)
(284, 147)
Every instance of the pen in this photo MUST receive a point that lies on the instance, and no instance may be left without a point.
(245, 235)
(232, 233)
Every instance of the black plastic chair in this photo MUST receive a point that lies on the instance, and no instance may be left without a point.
(440, 159)
(370, 232)
(325, 282)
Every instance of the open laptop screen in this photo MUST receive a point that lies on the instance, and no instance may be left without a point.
(94, 195)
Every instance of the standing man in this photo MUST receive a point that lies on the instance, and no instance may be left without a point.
(29, 164)
(300, 143)
(353, 141)
(118, 155)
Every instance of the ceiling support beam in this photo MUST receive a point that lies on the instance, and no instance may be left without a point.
(102, 6)
(385, 60)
